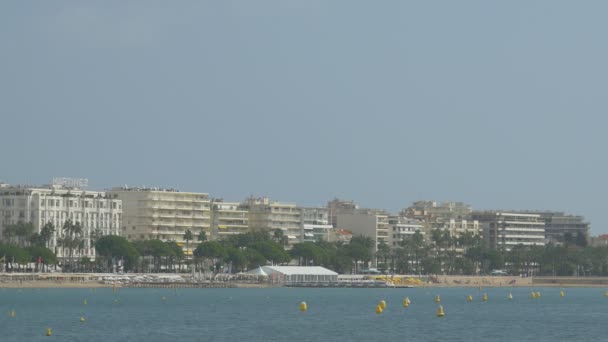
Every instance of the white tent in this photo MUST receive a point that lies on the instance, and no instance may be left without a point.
(301, 274)
(257, 271)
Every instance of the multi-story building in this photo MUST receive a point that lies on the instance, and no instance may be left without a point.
(336, 205)
(403, 228)
(228, 218)
(508, 229)
(372, 223)
(558, 224)
(315, 224)
(455, 217)
(431, 211)
(164, 214)
(98, 213)
(270, 215)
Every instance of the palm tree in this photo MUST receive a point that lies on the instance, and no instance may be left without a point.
(46, 233)
(202, 236)
(188, 236)
(72, 239)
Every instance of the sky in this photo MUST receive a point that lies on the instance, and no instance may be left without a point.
(497, 104)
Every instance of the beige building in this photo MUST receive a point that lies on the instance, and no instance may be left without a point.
(164, 214)
(403, 228)
(228, 218)
(271, 215)
(97, 212)
(372, 223)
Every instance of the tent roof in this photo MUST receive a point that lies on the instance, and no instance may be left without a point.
(257, 271)
(293, 270)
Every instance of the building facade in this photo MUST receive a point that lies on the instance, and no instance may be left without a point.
(336, 205)
(164, 214)
(508, 229)
(315, 224)
(454, 217)
(558, 224)
(372, 223)
(98, 213)
(403, 228)
(271, 215)
(228, 218)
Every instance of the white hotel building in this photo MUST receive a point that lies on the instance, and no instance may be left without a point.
(95, 211)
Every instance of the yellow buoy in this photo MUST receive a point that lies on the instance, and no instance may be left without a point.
(510, 296)
(437, 299)
(85, 302)
(606, 294)
(382, 304)
(537, 294)
(484, 297)
(532, 295)
(440, 312)
(303, 306)
(561, 293)
(406, 302)
(49, 332)
(82, 319)
(469, 298)
(379, 309)
(12, 313)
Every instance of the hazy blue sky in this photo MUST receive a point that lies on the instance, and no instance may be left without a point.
(497, 104)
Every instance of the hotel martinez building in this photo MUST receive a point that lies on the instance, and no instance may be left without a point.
(164, 214)
(65, 199)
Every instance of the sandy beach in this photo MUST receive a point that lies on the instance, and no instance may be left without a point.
(58, 280)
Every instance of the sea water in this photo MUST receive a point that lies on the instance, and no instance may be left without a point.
(272, 314)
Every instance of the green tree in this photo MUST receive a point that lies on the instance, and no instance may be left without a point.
(211, 250)
(383, 254)
(113, 248)
(236, 258)
(202, 236)
(42, 254)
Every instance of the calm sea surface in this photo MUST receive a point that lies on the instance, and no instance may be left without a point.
(272, 315)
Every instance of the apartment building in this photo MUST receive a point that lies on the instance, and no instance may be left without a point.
(558, 224)
(336, 205)
(455, 217)
(508, 229)
(164, 214)
(372, 223)
(315, 224)
(98, 213)
(403, 228)
(228, 218)
(268, 215)
(431, 211)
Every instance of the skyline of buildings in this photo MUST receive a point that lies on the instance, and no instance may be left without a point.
(166, 214)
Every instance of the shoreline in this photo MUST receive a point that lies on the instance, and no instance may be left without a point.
(84, 281)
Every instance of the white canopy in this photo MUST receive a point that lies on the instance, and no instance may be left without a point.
(257, 271)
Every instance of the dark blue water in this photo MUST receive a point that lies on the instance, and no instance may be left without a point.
(272, 315)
